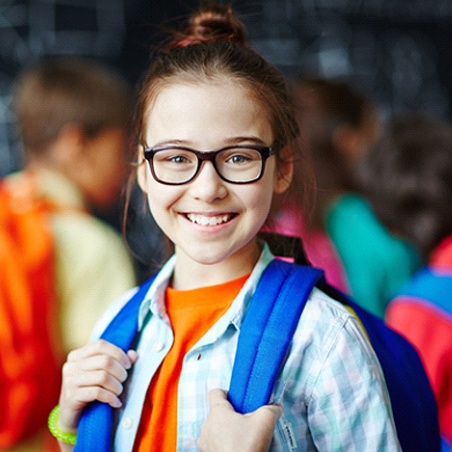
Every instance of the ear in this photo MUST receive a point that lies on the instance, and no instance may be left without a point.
(284, 172)
(142, 171)
(67, 149)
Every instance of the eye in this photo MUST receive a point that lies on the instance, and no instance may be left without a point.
(238, 158)
(174, 156)
(179, 159)
(241, 156)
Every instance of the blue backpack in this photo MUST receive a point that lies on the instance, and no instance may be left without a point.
(284, 288)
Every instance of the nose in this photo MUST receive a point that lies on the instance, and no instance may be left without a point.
(208, 185)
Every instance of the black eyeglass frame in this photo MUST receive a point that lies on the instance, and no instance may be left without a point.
(202, 156)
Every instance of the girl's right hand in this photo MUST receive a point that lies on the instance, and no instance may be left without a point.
(93, 372)
(225, 430)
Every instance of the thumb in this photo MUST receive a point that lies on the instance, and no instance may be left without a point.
(218, 397)
(276, 410)
(267, 414)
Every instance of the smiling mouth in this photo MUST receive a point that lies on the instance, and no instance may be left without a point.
(202, 220)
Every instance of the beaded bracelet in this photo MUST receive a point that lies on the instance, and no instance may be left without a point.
(65, 437)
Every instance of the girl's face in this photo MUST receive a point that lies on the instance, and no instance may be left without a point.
(211, 221)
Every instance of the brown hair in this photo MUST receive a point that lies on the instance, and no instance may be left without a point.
(62, 91)
(213, 47)
(211, 23)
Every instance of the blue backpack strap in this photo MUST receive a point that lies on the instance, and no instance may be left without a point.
(267, 331)
(432, 286)
(94, 433)
(412, 398)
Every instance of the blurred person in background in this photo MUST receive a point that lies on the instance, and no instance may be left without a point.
(73, 119)
(339, 126)
(408, 182)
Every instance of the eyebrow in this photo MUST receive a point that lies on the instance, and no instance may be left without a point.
(230, 141)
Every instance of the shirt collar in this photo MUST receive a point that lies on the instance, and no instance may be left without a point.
(154, 301)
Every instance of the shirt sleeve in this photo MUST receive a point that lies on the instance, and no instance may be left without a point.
(349, 408)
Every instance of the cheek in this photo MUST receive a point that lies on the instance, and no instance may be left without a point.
(160, 199)
(158, 211)
(263, 196)
(258, 202)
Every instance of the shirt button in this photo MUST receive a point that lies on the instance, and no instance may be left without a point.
(127, 423)
(159, 346)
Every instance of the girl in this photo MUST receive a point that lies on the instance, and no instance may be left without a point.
(216, 131)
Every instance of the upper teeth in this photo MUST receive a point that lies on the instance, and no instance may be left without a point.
(207, 221)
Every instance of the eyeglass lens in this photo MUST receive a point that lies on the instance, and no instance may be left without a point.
(233, 164)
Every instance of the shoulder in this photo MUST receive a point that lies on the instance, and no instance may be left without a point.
(350, 219)
(325, 316)
(347, 210)
(82, 232)
(329, 339)
(92, 260)
(326, 321)
(353, 226)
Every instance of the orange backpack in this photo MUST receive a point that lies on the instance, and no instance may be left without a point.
(30, 364)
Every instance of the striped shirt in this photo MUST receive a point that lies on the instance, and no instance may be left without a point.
(332, 387)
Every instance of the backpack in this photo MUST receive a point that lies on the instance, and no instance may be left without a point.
(412, 399)
(265, 334)
(431, 285)
(29, 370)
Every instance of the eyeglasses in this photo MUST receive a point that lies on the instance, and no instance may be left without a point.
(238, 164)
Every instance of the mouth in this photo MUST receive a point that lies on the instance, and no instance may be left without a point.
(214, 220)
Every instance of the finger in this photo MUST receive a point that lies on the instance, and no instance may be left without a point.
(102, 371)
(133, 356)
(89, 387)
(275, 410)
(97, 393)
(76, 383)
(101, 347)
(218, 397)
(102, 379)
(267, 416)
(105, 363)
(73, 372)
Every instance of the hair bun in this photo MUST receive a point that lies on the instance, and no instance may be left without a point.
(214, 23)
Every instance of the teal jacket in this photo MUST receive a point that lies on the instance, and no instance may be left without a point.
(376, 263)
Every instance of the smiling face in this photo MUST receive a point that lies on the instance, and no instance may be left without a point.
(212, 223)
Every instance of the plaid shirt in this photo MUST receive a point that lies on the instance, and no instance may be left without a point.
(331, 386)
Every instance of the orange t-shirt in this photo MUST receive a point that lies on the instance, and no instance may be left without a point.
(192, 313)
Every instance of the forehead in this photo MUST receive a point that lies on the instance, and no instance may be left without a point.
(205, 111)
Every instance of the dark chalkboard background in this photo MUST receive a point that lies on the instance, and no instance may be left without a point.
(399, 51)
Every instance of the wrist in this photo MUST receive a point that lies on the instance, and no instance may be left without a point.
(56, 431)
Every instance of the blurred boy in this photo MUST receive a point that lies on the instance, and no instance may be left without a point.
(73, 119)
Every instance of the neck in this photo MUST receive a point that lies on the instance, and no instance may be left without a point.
(190, 274)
